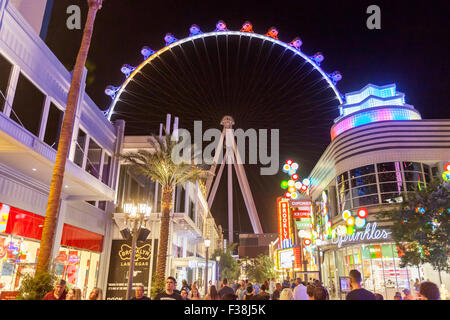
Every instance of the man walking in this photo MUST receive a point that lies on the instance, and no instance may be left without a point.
(59, 291)
(357, 292)
(225, 289)
(300, 291)
(169, 293)
(140, 294)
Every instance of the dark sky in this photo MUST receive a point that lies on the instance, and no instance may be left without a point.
(411, 50)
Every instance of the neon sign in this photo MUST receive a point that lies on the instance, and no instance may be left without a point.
(370, 233)
(284, 225)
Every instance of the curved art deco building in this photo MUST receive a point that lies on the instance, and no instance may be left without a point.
(380, 149)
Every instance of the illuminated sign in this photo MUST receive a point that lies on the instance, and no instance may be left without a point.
(285, 258)
(303, 224)
(301, 214)
(284, 225)
(370, 233)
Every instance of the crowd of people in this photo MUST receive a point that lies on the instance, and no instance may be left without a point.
(246, 290)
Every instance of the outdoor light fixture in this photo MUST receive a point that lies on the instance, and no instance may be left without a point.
(136, 217)
(217, 270)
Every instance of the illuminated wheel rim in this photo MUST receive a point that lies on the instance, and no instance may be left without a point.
(179, 44)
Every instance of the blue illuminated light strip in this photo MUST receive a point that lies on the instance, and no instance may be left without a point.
(370, 116)
(221, 33)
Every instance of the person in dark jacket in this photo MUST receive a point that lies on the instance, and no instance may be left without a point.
(357, 292)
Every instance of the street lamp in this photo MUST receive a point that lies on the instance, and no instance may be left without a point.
(207, 244)
(217, 270)
(136, 217)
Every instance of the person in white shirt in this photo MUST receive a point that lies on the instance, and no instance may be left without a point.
(272, 285)
(300, 291)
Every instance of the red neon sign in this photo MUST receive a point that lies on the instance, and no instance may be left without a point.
(284, 224)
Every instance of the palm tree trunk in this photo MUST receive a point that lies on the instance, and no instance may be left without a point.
(48, 232)
(166, 207)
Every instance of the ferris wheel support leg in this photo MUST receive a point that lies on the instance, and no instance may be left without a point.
(216, 185)
(230, 198)
(214, 165)
(247, 193)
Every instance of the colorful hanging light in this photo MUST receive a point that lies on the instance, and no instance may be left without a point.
(350, 221)
(362, 213)
(307, 242)
(284, 184)
(346, 214)
(294, 195)
(291, 189)
(306, 182)
(360, 223)
(291, 183)
(446, 176)
(304, 188)
(287, 195)
(447, 167)
(286, 168)
(420, 210)
(294, 166)
(289, 162)
(295, 177)
(350, 230)
(298, 185)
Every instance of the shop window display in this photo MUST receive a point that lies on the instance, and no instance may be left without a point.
(79, 268)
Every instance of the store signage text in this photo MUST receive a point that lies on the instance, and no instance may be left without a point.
(284, 226)
(370, 233)
(142, 253)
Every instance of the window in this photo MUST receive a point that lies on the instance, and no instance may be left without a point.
(365, 201)
(79, 150)
(412, 166)
(361, 171)
(391, 187)
(27, 106)
(386, 167)
(413, 176)
(106, 169)
(363, 181)
(391, 176)
(94, 157)
(5, 72)
(342, 177)
(426, 169)
(434, 171)
(413, 186)
(391, 198)
(102, 205)
(364, 191)
(54, 124)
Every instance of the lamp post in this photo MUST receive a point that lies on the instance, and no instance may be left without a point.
(293, 265)
(217, 270)
(207, 244)
(136, 217)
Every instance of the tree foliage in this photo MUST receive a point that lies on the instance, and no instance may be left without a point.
(228, 266)
(421, 226)
(34, 287)
(260, 268)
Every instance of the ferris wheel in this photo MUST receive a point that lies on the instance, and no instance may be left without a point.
(190, 63)
(258, 79)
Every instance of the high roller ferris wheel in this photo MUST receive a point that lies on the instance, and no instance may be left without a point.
(148, 85)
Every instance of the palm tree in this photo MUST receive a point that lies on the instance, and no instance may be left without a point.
(158, 165)
(48, 232)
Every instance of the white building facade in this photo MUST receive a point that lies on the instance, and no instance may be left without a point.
(34, 86)
(380, 149)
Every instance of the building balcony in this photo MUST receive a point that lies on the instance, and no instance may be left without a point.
(24, 152)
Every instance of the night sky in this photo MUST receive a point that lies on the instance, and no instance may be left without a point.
(411, 50)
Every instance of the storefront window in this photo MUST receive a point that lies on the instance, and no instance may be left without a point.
(342, 177)
(364, 191)
(391, 187)
(412, 166)
(386, 167)
(361, 171)
(413, 176)
(391, 198)
(365, 201)
(79, 268)
(360, 181)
